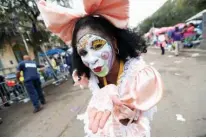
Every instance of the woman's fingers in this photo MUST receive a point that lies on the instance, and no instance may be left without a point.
(104, 119)
(95, 124)
(97, 119)
(92, 114)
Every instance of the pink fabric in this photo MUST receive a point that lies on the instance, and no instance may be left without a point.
(171, 28)
(180, 25)
(140, 90)
(161, 30)
(144, 90)
(61, 21)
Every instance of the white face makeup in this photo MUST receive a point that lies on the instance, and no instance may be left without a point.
(96, 53)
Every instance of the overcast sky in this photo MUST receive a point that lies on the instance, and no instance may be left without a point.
(139, 9)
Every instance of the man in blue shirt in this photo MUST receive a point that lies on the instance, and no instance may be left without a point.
(177, 38)
(32, 82)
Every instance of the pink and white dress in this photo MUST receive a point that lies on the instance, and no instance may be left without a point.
(140, 85)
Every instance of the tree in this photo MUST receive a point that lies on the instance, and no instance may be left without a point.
(19, 17)
(172, 12)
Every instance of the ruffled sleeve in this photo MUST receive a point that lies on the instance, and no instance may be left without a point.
(144, 89)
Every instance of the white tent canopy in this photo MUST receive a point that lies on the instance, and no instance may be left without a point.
(197, 16)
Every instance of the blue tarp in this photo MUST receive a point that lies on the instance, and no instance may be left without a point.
(52, 52)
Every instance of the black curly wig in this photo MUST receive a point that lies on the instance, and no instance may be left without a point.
(128, 42)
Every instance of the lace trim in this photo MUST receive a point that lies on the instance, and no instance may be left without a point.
(101, 101)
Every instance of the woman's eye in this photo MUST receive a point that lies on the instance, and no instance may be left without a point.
(98, 44)
(82, 52)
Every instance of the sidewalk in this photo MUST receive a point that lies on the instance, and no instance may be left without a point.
(64, 102)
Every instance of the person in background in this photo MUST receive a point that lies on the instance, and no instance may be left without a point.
(188, 34)
(184, 30)
(57, 58)
(53, 63)
(177, 37)
(161, 40)
(32, 82)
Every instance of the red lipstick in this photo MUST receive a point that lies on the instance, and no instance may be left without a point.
(97, 69)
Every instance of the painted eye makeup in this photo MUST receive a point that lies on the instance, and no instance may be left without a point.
(98, 44)
(82, 52)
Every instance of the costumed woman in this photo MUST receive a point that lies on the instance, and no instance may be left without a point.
(106, 58)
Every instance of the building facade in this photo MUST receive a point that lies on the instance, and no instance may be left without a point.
(11, 55)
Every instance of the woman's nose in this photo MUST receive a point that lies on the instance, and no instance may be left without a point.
(95, 61)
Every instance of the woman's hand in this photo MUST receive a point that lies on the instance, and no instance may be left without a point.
(82, 81)
(98, 119)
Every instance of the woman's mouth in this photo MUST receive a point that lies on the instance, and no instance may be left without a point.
(97, 69)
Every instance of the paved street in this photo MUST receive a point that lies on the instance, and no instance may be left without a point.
(184, 95)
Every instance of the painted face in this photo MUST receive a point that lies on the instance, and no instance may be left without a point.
(96, 53)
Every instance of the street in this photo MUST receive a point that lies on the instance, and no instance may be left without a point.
(181, 111)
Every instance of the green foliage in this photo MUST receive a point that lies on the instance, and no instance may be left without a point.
(20, 16)
(172, 12)
(17, 16)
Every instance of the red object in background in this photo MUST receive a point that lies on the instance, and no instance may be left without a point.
(191, 29)
(10, 83)
(189, 32)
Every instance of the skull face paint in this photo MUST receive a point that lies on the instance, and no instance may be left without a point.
(96, 53)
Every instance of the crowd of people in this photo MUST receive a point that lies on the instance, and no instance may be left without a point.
(176, 38)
